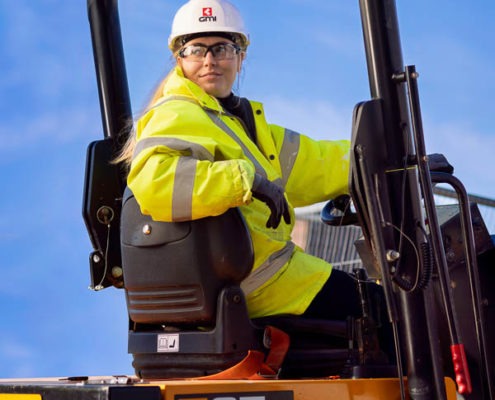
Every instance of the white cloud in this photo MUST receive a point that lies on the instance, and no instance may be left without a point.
(317, 119)
(346, 44)
(51, 126)
(17, 355)
(10, 348)
(47, 75)
(468, 150)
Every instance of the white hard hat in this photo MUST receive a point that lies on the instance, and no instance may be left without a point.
(208, 17)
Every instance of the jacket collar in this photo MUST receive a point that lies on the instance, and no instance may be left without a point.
(178, 85)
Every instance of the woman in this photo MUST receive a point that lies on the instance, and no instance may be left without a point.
(200, 150)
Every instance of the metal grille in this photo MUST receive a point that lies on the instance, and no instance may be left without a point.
(336, 244)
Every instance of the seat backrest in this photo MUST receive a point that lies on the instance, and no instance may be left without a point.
(174, 271)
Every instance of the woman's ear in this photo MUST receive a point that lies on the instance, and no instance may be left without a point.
(241, 59)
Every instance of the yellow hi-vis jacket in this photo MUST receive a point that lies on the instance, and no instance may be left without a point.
(193, 160)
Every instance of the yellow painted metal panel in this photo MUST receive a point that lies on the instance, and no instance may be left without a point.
(316, 389)
(342, 389)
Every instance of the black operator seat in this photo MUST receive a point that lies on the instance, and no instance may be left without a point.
(187, 313)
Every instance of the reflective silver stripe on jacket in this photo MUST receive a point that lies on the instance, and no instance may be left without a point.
(288, 153)
(193, 149)
(223, 126)
(185, 174)
(268, 269)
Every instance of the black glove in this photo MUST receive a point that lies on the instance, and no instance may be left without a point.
(273, 196)
(438, 163)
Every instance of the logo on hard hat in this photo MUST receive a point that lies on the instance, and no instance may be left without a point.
(207, 15)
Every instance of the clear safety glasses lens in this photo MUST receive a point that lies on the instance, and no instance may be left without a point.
(220, 51)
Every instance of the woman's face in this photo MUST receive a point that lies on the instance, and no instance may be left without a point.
(215, 76)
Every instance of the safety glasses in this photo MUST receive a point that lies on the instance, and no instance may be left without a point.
(220, 51)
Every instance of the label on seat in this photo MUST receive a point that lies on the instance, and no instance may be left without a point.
(168, 343)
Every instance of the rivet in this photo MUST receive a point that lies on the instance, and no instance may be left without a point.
(147, 229)
(117, 272)
(392, 255)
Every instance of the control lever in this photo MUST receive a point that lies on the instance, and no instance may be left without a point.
(339, 212)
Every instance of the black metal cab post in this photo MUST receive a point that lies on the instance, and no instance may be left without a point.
(390, 191)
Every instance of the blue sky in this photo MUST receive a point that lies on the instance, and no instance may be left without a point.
(306, 63)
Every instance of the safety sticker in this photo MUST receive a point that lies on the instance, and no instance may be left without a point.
(168, 343)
